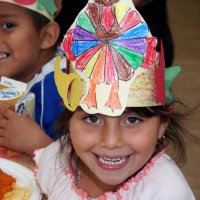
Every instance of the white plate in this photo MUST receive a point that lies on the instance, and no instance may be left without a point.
(23, 175)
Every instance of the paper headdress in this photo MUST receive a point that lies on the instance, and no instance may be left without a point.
(47, 8)
(113, 52)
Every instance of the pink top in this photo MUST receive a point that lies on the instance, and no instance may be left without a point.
(160, 179)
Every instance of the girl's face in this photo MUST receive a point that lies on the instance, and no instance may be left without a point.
(114, 148)
(19, 43)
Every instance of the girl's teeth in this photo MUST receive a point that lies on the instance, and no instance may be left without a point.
(112, 161)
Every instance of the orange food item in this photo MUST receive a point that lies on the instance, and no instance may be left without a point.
(6, 182)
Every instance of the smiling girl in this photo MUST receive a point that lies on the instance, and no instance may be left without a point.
(119, 117)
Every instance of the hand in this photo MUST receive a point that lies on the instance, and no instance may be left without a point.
(140, 3)
(20, 133)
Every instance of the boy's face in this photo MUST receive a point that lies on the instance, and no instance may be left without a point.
(19, 43)
(114, 148)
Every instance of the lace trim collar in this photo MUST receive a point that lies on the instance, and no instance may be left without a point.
(123, 188)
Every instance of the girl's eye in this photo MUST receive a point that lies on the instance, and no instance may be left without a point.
(8, 25)
(132, 120)
(93, 119)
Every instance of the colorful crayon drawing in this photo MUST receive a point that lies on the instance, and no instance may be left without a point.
(108, 43)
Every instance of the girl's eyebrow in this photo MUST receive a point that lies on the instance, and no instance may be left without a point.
(128, 110)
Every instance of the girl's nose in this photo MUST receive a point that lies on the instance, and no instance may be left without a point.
(111, 137)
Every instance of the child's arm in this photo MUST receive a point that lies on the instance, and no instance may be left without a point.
(20, 133)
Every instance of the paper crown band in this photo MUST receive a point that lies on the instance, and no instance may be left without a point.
(47, 8)
(114, 54)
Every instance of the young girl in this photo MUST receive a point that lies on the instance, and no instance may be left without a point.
(119, 115)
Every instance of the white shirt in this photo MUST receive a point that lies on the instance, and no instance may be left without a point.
(161, 179)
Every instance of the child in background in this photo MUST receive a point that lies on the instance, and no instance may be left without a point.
(119, 115)
(28, 46)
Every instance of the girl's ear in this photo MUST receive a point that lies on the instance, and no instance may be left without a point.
(49, 35)
(163, 127)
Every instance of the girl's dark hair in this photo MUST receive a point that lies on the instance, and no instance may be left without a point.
(175, 134)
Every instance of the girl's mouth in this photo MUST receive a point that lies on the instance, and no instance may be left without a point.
(112, 163)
